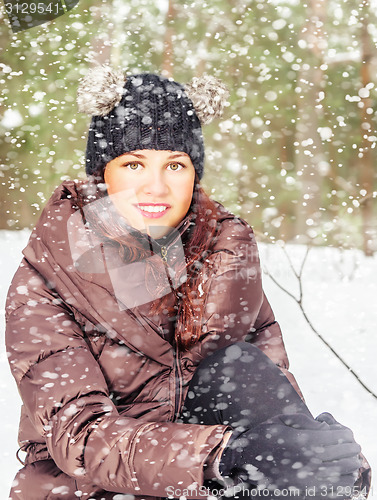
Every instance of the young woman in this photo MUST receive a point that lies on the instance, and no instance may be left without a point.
(145, 351)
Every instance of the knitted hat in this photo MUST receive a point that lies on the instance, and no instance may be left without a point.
(146, 111)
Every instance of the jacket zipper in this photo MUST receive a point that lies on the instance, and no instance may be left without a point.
(164, 254)
(178, 385)
(177, 368)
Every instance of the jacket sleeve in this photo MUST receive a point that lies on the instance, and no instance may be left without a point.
(67, 400)
(236, 308)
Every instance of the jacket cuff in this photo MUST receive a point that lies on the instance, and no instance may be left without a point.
(212, 465)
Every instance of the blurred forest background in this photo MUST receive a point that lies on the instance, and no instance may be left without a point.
(295, 152)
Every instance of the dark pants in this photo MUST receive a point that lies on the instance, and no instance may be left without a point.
(241, 387)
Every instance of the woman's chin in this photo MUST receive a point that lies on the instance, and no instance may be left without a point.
(156, 231)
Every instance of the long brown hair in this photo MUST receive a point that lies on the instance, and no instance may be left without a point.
(201, 236)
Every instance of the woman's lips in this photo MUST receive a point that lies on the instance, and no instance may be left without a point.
(152, 210)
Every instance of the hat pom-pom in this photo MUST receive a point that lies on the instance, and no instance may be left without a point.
(208, 95)
(100, 90)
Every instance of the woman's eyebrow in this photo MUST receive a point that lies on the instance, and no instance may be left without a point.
(175, 155)
(138, 155)
(178, 155)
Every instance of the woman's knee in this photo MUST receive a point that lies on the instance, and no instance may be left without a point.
(239, 354)
(224, 370)
(238, 383)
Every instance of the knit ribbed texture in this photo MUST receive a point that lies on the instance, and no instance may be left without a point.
(154, 113)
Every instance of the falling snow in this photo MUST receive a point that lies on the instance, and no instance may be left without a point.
(292, 150)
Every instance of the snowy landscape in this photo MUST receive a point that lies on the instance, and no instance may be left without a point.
(339, 293)
(295, 151)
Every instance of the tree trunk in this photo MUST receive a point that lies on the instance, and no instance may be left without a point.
(168, 57)
(309, 151)
(101, 44)
(366, 160)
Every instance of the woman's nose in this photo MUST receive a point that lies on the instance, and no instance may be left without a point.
(156, 185)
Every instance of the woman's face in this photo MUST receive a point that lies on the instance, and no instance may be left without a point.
(151, 189)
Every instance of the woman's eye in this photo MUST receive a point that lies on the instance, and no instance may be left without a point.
(133, 165)
(175, 166)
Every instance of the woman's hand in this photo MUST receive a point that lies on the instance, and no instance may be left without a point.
(295, 451)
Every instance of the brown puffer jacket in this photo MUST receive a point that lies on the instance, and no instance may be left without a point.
(101, 384)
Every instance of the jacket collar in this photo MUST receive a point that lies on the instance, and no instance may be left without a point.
(103, 208)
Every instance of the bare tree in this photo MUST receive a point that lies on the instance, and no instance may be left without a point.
(300, 302)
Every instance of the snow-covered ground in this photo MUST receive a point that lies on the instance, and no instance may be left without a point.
(339, 297)
(339, 293)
